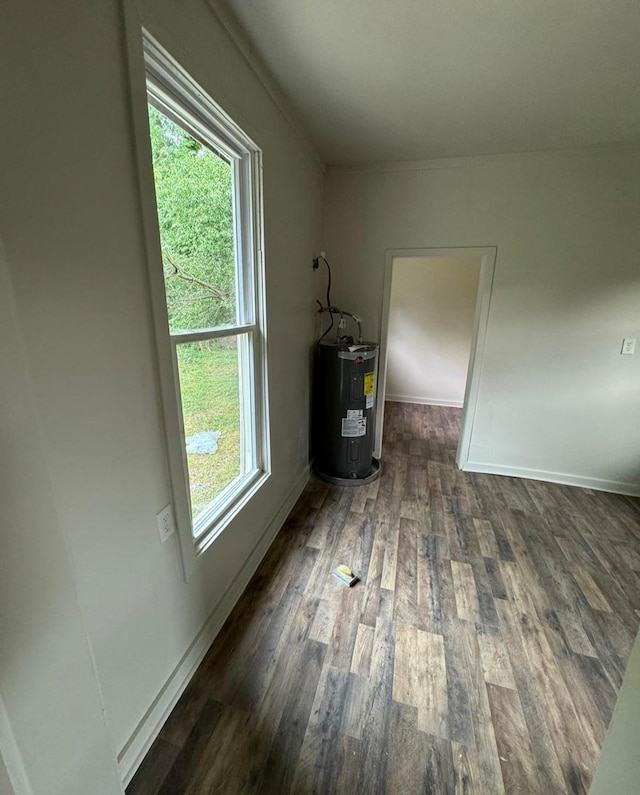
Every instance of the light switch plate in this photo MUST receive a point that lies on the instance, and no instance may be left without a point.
(166, 526)
(628, 346)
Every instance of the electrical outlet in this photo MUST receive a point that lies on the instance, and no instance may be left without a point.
(628, 346)
(316, 261)
(166, 526)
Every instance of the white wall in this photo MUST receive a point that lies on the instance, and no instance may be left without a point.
(556, 398)
(6, 787)
(53, 738)
(618, 769)
(70, 216)
(431, 312)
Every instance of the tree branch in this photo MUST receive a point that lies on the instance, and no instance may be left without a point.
(188, 278)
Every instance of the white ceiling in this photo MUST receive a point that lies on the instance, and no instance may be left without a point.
(381, 80)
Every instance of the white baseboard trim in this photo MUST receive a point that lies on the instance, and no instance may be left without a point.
(131, 756)
(615, 487)
(423, 401)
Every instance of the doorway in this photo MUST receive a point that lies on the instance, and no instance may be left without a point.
(438, 353)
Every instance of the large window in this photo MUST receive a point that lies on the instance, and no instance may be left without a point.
(207, 178)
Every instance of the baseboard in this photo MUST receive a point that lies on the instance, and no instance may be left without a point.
(597, 484)
(423, 401)
(149, 727)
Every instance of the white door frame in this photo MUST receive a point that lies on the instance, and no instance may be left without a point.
(487, 255)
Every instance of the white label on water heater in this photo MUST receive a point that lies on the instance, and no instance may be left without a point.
(353, 414)
(369, 401)
(354, 427)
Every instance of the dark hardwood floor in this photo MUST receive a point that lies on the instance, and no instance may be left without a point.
(481, 653)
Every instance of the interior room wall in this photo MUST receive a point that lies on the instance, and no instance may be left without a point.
(431, 313)
(53, 737)
(556, 399)
(70, 215)
(5, 784)
(618, 768)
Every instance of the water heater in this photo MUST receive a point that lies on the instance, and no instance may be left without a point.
(344, 411)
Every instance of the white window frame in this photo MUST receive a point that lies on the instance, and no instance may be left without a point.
(171, 89)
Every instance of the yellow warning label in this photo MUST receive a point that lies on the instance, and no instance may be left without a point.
(369, 383)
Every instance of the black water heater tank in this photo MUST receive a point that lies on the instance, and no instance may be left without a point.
(344, 412)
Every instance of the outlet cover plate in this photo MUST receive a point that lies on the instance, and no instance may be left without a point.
(628, 346)
(166, 525)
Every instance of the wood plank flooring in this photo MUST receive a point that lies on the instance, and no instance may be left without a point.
(481, 652)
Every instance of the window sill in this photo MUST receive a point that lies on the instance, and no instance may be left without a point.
(227, 511)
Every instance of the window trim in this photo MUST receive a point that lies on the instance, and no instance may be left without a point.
(189, 105)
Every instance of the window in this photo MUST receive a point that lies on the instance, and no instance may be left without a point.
(208, 294)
